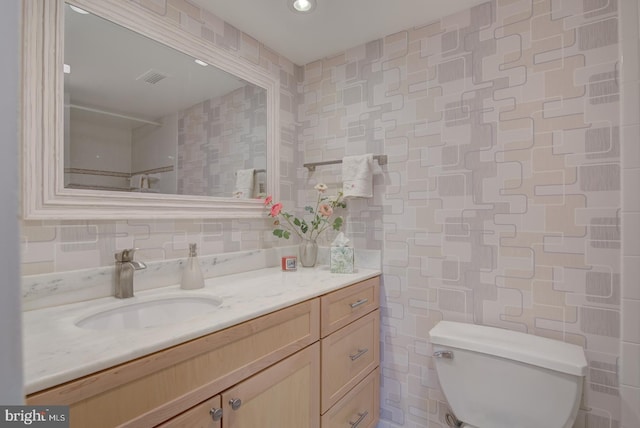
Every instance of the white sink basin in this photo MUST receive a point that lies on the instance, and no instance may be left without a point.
(150, 313)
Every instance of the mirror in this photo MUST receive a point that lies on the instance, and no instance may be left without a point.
(131, 126)
(143, 117)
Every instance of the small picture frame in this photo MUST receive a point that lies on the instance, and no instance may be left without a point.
(289, 263)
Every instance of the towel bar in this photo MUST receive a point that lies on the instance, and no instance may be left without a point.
(254, 172)
(382, 160)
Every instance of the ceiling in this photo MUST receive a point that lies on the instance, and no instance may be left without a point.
(333, 27)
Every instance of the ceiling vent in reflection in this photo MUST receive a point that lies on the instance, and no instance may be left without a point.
(152, 76)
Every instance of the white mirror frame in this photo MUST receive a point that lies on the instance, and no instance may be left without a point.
(43, 192)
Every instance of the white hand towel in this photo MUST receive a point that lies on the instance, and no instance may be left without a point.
(136, 181)
(152, 181)
(357, 176)
(245, 179)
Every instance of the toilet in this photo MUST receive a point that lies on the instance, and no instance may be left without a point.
(497, 378)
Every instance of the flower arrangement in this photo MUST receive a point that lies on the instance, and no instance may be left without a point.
(320, 221)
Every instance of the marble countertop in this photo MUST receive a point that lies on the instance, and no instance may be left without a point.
(57, 351)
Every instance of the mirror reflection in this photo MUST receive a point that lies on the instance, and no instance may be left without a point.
(142, 117)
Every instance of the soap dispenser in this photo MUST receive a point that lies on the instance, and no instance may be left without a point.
(191, 274)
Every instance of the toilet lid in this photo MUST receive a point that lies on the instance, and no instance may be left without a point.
(526, 348)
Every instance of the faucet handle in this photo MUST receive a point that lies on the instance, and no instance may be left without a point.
(126, 255)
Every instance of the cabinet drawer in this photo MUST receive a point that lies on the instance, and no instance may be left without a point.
(359, 408)
(348, 304)
(197, 417)
(348, 356)
(152, 389)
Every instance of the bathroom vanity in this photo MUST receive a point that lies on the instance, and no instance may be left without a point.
(286, 349)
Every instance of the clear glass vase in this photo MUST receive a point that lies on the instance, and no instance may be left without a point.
(308, 252)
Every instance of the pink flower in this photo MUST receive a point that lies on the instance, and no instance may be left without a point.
(267, 200)
(275, 209)
(325, 210)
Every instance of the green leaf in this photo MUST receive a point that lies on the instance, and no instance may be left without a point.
(296, 221)
(304, 227)
(281, 233)
(337, 223)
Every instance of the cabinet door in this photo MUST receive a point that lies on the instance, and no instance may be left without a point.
(285, 395)
(205, 415)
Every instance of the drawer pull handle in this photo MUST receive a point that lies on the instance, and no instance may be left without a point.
(235, 403)
(358, 354)
(216, 414)
(359, 303)
(360, 419)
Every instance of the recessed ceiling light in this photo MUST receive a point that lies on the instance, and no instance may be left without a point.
(201, 62)
(302, 6)
(78, 10)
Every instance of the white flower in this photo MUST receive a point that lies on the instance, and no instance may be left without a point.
(320, 187)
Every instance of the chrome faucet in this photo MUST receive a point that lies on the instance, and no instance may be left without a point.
(125, 267)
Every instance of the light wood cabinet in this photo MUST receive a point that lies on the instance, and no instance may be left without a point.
(350, 348)
(284, 395)
(360, 407)
(147, 391)
(274, 370)
(207, 414)
(344, 306)
(348, 356)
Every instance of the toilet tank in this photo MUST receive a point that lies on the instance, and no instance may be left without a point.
(497, 378)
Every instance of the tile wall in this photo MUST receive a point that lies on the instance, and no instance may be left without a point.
(512, 135)
(220, 136)
(501, 202)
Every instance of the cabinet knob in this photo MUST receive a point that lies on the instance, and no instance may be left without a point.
(216, 414)
(235, 403)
